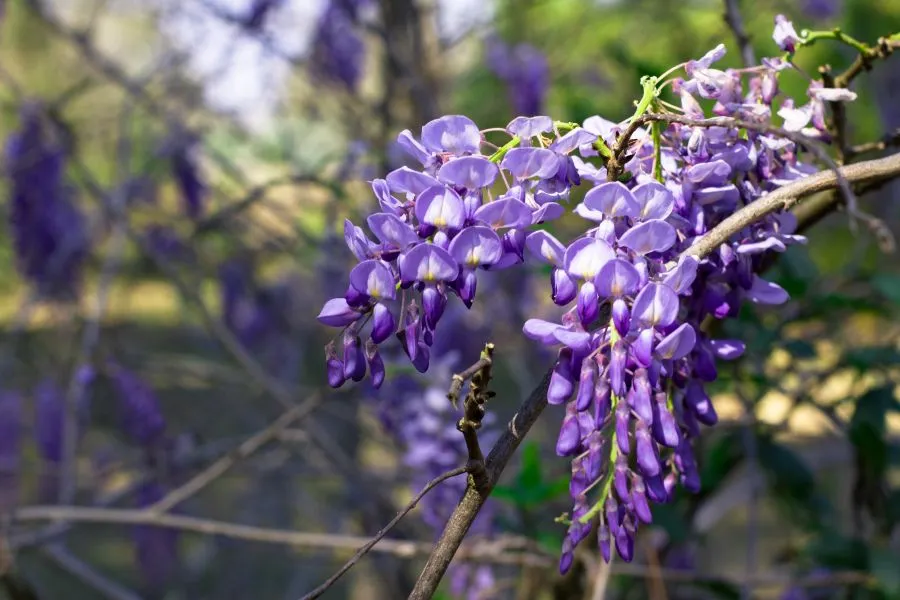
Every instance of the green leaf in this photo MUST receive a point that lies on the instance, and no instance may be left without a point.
(723, 455)
(838, 552)
(530, 475)
(791, 482)
(867, 429)
(884, 566)
(800, 349)
(888, 285)
(871, 357)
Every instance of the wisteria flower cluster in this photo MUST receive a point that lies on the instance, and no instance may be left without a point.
(633, 363)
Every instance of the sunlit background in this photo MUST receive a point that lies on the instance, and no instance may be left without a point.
(209, 152)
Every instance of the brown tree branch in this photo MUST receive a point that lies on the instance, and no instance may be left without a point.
(368, 545)
(472, 501)
(734, 21)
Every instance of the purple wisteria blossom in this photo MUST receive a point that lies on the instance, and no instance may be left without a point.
(338, 50)
(524, 70)
(632, 363)
(49, 231)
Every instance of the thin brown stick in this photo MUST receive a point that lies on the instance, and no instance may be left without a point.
(790, 195)
(368, 545)
(473, 499)
(89, 576)
(734, 21)
(250, 446)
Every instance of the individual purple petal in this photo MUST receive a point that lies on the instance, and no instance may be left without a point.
(623, 418)
(586, 384)
(639, 500)
(335, 371)
(642, 348)
(562, 381)
(617, 362)
(357, 241)
(586, 256)
(548, 212)
(563, 289)
(423, 357)
(613, 199)
(588, 307)
(682, 275)
(617, 278)
(428, 263)
(410, 181)
(354, 358)
(376, 365)
(649, 236)
(698, 402)
(713, 173)
(504, 212)
(470, 172)
(529, 127)
(546, 247)
(574, 139)
(655, 200)
(727, 349)
(455, 134)
(375, 279)
(433, 304)
(382, 323)
(569, 438)
(476, 247)
(524, 163)
(388, 203)
(639, 398)
(541, 331)
(389, 229)
(588, 213)
(785, 35)
(441, 207)
(665, 429)
(764, 245)
(466, 285)
(603, 541)
(602, 402)
(766, 292)
(655, 306)
(677, 344)
(684, 460)
(645, 448)
(337, 313)
(578, 341)
(621, 316)
(412, 146)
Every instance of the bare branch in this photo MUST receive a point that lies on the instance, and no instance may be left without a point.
(468, 507)
(734, 21)
(246, 449)
(88, 575)
(368, 546)
(789, 195)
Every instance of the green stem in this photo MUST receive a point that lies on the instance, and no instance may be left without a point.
(811, 37)
(656, 129)
(565, 125)
(613, 447)
(649, 85)
(501, 152)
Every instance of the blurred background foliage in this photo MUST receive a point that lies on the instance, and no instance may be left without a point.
(801, 486)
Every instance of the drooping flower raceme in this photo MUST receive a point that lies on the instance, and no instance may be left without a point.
(633, 363)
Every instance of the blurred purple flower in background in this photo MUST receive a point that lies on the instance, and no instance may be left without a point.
(49, 231)
(188, 176)
(338, 50)
(156, 548)
(10, 448)
(822, 9)
(139, 411)
(525, 71)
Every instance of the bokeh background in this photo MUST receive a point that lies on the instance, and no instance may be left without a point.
(174, 224)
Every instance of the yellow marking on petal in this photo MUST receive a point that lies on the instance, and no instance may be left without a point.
(440, 221)
(617, 289)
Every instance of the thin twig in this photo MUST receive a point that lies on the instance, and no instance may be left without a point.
(736, 24)
(88, 575)
(240, 453)
(473, 413)
(473, 499)
(368, 546)
(888, 140)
